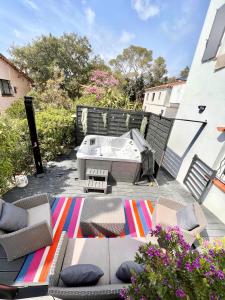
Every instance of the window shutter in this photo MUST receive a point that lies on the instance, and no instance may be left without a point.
(216, 35)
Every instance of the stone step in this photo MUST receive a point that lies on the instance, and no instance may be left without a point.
(92, 185)
(97, 174)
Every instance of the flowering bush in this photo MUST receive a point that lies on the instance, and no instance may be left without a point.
(175, 271)
(103, 79)
(101, 83)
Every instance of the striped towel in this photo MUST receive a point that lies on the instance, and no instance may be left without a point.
(66, 213)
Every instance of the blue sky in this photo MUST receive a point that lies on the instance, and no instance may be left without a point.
(170, 28)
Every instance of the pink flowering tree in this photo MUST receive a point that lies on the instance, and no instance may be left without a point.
(101, 83)
(175, 271)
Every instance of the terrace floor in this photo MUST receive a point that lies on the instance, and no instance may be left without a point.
(61, 178)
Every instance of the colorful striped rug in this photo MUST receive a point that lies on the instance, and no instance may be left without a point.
(65, 217)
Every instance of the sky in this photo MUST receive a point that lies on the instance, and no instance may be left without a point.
(170, 28)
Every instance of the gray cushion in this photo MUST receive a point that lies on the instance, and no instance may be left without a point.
(186, 218)
(88, 251)
(12, 217)
(81, 275)
(121, 250)
(125, 270)
(39, 214)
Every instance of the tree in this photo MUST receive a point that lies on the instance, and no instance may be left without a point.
(134, 88)
(158, 71)
(133, 62)
(69, 52)
(53, 95)
(184, 73)
(98, 63)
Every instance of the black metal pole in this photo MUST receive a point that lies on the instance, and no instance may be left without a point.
(28, 102)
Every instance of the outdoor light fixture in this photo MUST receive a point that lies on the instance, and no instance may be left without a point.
(201, 108)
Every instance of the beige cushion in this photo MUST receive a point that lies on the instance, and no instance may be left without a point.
(39, 214)
(166, 215)
(89, 251)
(121, 250)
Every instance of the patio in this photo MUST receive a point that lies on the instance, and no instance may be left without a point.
(61, 178)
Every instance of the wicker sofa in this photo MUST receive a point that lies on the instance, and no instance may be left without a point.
(36, 235)
(106, 253)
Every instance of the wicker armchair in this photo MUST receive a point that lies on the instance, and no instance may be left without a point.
(165, 214)
(36, 235)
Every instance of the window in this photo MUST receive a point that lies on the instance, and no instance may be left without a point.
(159, 95)
(15, 90)
(220, 58)
(215, 36)
(153, 96)
(6, 87)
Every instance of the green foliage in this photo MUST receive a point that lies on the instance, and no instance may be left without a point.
(113, 98)
(87, 99)
(158, 71)
(172, 270)
(55, 131)
(55, 127)
(15, 152)
(185, 72)
(133, 61)
(53, 95)
(16, 110)
(136, 70)
(69, 52)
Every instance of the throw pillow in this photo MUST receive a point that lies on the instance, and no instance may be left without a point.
(81, 275)
(125, 270)
(186, 218)
(12, 217)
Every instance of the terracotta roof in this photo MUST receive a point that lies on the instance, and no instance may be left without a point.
(221, 128)
(15, 68)
(166, 85)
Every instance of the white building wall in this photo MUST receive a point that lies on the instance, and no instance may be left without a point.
(177, 93)
(204, 87)
(166, 100)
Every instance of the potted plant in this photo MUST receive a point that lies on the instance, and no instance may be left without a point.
(176, 271)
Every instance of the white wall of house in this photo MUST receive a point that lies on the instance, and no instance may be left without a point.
(17, 80)
(177, 93)
(165, 100)
(204, 87)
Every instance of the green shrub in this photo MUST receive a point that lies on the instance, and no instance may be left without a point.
(55, 131)
(15, 153)
(89, 100)
(113, 99)
(17, 110)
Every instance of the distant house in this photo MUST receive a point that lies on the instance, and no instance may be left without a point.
(14, 83)
(164, 99)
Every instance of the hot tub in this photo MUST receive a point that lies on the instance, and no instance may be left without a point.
(120, 156)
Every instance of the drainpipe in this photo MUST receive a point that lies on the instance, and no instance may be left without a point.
(28, 102)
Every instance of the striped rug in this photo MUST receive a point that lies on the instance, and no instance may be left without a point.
(65, 217)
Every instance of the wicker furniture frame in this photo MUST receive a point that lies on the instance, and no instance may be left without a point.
(158, 216)
(21, 242)
(109, 291)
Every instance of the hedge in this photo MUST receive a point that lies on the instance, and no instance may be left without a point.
(55, 132)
